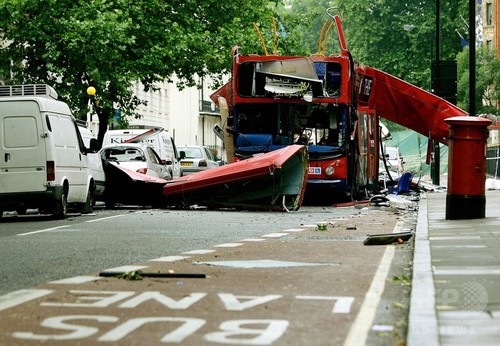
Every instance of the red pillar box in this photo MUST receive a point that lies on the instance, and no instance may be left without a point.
(465, 198)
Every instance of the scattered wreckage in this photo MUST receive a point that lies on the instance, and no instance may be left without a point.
(296, 121)
(272, 181)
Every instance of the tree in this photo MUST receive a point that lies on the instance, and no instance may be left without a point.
(307, 18)
(487, 80)
(376, 35)
(73, 44)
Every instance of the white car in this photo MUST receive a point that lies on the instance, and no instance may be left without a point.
(394, 158)
(196, 158)
(137, 157)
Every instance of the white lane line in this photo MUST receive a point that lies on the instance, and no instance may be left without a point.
(294, 230)
(44, 230)
(169, 259)
(75, 280)
(198, 252)
(361, 326)
(106, 218)
(229, 245)
(253, 239)
(274, 235)
(19, 297)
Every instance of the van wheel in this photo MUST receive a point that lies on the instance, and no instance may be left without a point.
(21, 210)
(109, 203)
(88, 206)
(61, 208)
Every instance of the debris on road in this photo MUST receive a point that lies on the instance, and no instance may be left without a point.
(387, 238)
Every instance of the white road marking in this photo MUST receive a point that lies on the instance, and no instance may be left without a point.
(169, 259)
(253, 239)
(361, 326)
(19, 297)
(76, 280)
(125, 269)
(229, 245)
(342, 304)
(262, 264)
(274, 235)
(198, 252)
(294, 230)
(44, 230)
(106, 218)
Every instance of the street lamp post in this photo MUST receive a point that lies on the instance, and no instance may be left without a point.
(436, 162)
(472, 57)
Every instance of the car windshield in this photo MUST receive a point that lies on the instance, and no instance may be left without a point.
(193, 153)
(124, 154)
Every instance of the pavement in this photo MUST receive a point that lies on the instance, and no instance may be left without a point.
(455, 297)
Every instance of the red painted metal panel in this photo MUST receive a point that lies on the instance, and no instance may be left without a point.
(404, 103)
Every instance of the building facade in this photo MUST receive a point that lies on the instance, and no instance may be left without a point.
(188, 114)
(488, 19)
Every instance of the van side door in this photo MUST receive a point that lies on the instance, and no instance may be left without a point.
(71, 161)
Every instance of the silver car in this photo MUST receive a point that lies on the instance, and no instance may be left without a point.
(137, 157)
(195, 158)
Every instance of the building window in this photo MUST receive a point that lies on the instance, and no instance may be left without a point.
(489, 44)
(489, 13)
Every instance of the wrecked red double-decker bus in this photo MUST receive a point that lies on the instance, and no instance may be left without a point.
(273, 101)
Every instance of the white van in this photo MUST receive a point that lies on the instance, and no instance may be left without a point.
(158, 138)
(43, 161)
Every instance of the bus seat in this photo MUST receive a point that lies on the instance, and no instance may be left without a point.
(253, 140)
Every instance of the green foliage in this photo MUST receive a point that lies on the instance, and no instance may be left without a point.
(307, 18)
(131, 276)
(403, 279)
(110, 44)
(487, 80)
(376, 35)
(71, 44)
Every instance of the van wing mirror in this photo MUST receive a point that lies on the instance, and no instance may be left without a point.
(93, 146)
(182, 154)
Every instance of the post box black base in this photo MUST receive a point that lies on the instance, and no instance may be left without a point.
(465, 207)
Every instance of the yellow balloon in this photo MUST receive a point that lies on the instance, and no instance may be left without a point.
(91, 91)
